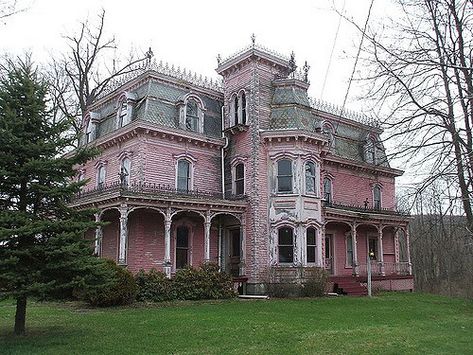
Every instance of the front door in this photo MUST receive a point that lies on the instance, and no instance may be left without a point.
(234, 251)
(329, 253)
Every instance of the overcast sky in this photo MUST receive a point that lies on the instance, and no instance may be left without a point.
(191, 33)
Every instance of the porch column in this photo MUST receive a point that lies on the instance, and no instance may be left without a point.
(243, 245)
(122, 250)
(380, 247)
(408, 251)
(167, 243)
(355, 249)
(207, 225)
(98, 237)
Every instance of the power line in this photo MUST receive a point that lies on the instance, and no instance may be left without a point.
(357, 55)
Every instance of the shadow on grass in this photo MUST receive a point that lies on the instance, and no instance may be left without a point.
(40, 335)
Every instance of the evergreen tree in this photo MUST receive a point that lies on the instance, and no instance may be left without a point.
(42, 246)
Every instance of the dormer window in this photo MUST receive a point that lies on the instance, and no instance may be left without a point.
(238, 109)
(125, 108)
(89, 130)
(328, 130)
(123, 114)
(192, 116)
(191, 113)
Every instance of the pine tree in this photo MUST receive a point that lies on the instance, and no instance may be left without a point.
(42, 248)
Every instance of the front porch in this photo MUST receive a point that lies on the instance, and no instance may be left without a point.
(157, 227)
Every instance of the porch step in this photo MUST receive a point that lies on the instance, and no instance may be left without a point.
(349, 286)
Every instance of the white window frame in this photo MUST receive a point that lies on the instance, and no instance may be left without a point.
(190, 178)
(286, 245)
(314, 177)
(101, 178)
(315, 246)
(377, 187)
(328, 130)
(348, 263)
(278, 175)
(123, 167)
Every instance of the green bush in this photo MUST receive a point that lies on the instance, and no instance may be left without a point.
(284, 290)
(205, 282)
(121, 290)
(316, 283)
(153, 286)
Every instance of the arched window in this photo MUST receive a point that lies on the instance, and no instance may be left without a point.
(101, 177)
(182, 247)
(192, 116)
(125, 171)
(328, 190)
(123, 115)
(239, 181)
(285, 245)
(370, 151)
(284, 177)
(311, 245)
(236, 109)
(183, 175)
(310, 178)
(377, 197)
(243, 107)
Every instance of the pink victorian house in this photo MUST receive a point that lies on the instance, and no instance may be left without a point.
(249, 173)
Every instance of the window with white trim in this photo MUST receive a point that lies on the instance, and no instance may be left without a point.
(284, 175)
(310, 177)
(184, 175)
(311, 245)
(349, 248)
(327, 130)
(101, 176)
(192, 116)
(328, 190)
(89, 132)
(285, 245)
(239, 180)
(125, 172)
(238, 109)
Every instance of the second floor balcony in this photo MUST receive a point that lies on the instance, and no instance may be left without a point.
(364, 208)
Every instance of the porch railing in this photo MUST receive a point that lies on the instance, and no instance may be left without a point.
(162, 190)
(386, 268)
(359, 208)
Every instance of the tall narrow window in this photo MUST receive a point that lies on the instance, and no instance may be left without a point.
(101, 177)
(284, 175)
(349, 242)
(125, 171)
(311, 245)
(328, 190)
(239, 179)
(123, 114)
(192, 116)
(377, 197)
(370, 155)
(310, 178)
(89, 132)
(243, 108)
(182, 247)
(183, 175)
(328, 131)
(235, 112)
(285, 245)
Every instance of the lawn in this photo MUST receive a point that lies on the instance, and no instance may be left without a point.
(388, 324)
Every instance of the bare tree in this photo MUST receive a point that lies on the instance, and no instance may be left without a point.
(419, 78)
(9, 8)
(82, 75)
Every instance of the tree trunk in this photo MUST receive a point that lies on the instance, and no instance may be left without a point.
(20, 315)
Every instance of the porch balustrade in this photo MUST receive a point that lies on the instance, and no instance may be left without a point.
(161, 190)
(359, 208)
(389, 268)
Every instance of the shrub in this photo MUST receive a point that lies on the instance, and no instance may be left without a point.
(120, 291)
(284, 290)
(316, 283)
(205, 282)
(153, 286)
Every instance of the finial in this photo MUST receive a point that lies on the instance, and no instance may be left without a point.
(306, 68)
(219, 59)
(149, 54)
(253, 39)
(292, 64)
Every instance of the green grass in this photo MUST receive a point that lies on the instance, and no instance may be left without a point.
(387, 324)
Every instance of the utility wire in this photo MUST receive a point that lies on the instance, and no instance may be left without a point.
(357, 57)
(333, 49)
